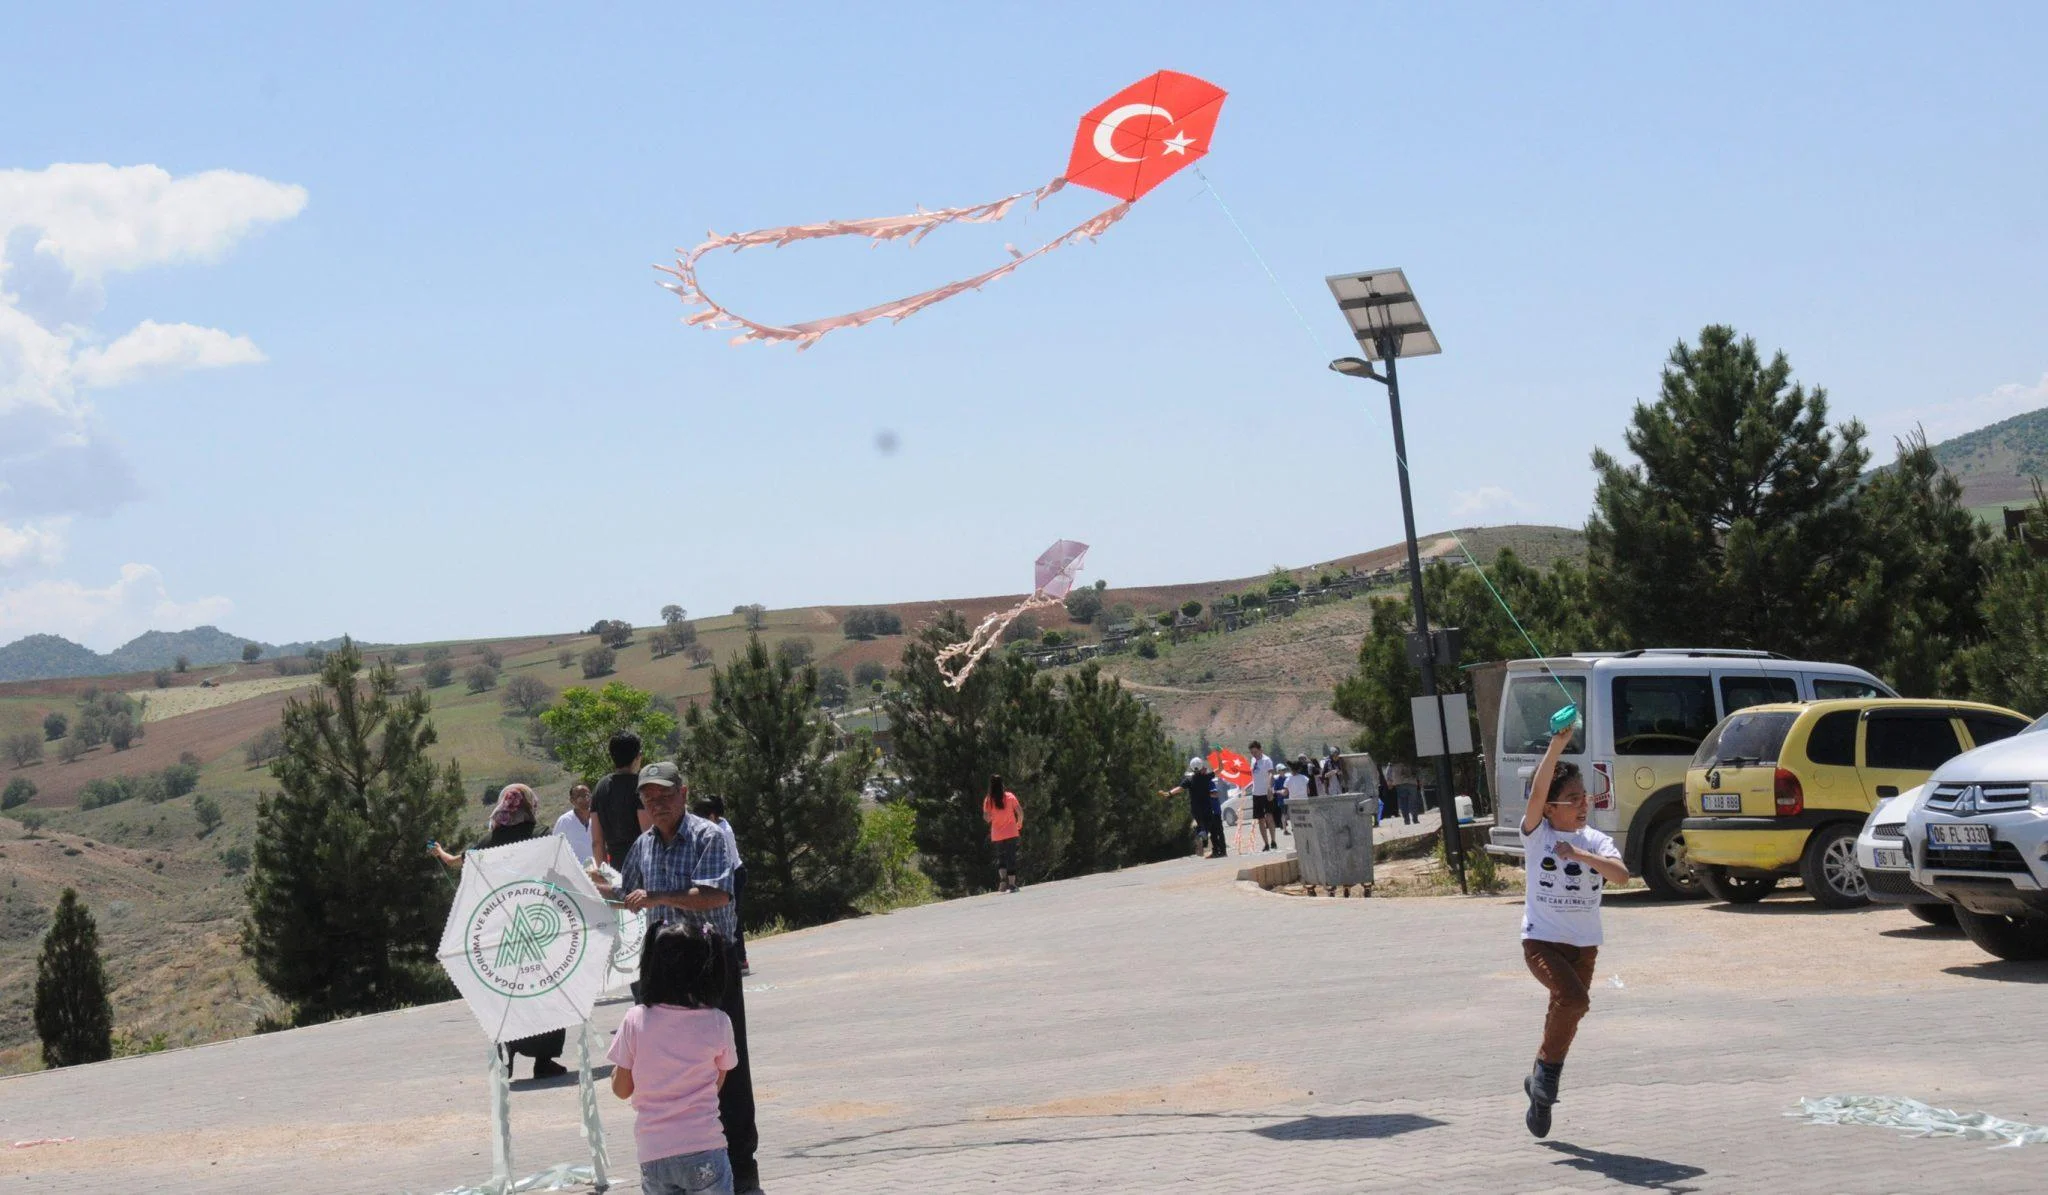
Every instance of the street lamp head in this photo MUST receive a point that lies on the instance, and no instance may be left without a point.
(1354, 367)
(1383, 314)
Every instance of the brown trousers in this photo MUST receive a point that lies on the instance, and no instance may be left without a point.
(1568, 972)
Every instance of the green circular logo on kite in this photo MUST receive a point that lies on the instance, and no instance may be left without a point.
(526, 938)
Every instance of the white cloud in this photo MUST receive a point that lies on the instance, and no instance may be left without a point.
(61, 229)
(31, 543)
(1946, 420)
(98, 218)
(107, 617)
(153, 348)
(1487, 499)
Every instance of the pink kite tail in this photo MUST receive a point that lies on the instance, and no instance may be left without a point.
(881, 228)
(970, 650)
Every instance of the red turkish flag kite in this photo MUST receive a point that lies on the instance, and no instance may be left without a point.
(1137, 138)
(1231, 767)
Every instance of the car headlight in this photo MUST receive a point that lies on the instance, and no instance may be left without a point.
(2040, 788)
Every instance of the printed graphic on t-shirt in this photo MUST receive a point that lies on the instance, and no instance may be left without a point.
(1563, 896)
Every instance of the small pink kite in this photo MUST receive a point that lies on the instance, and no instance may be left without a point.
(1053, 578)
(1125, 146)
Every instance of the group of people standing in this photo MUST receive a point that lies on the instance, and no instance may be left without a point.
(1272, 784)
(680, 1055)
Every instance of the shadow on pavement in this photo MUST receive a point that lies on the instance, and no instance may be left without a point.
(1797, 905)
(598, 1074)
(2002, 972)
(1346, 1128)
(1653, 1174)
(1922, 933)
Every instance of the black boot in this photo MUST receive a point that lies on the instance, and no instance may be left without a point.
(1541, 1088)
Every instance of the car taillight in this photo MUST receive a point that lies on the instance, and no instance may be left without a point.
(1787, 794)
(1604, 799)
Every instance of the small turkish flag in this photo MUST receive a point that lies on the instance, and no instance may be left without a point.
(1137, 138)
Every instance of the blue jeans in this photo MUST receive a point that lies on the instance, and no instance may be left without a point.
(707, 1173)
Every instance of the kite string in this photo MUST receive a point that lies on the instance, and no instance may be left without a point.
(1306, 326)
(1315, 336)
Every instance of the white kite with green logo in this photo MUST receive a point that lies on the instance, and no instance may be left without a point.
(529, 942)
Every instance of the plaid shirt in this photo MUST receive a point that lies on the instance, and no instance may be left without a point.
(696, 857)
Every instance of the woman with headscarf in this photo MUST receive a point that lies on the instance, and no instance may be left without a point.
(513, 821)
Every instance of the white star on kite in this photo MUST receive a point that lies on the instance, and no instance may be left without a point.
(1178, 143)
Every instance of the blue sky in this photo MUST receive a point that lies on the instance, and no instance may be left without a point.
(407, 373)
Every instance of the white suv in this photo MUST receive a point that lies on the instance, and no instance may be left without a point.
(1979, 840)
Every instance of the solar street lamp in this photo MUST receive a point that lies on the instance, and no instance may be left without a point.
(1389, 324)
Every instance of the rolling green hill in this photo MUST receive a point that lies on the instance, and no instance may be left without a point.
(1997, 464)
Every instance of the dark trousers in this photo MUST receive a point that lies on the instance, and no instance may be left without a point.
(1210, 820)
(1411, 802)
(736, 1098)
(739, 887)
(541, 1047)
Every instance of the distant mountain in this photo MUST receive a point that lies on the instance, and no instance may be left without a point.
(160, 649)
(40, 657)
(47, 657)
(1997, 464)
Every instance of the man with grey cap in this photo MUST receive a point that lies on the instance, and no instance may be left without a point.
(1200, 786)
(680, 870)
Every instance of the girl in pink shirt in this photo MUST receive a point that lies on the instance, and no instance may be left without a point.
(670, 1057)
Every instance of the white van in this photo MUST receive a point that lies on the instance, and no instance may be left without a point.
(1645, 712)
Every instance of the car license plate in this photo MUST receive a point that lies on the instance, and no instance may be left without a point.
(1721, 802)
(1967, 837)
(1889, 859)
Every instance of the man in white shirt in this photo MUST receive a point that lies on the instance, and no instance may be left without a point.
(1262, 796)
(575, 824)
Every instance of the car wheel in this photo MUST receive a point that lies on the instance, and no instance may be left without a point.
(1735, 890)
(1666, 869)
(1935, 914)
(1830, 871)
(2019, 939)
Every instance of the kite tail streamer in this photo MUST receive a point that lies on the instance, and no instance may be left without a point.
(593, 1126)
(915, 226)
(970, 650)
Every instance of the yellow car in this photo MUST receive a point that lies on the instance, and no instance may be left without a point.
(1778, 791)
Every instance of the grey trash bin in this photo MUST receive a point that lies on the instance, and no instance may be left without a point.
(1333, 838)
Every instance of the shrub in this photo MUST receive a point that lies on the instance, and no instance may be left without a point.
(1163, 618)
(103, 792)
(598, 661)
(612, 632)
(25, 748)
(30, 819)
(868, 673)
(71, 748)
(265, 747)
(179, 779)
(832, 686)
(755, 614)
(183, 663)
(794, 652)
(54, 725)
(482, 678)
(1191, 608)
(402, 656)
(565, 657)
(437, 672)
(1084, 604)
(235, 859)
(250, 652)
(699, 654)
(1021, 628)
(434, 654)
(20, 791)
(527, 694)
(1147, 649)
(888, 832)
(163, 678)
(207, 810)
(492, 657)
(291, 666)
(866, 622)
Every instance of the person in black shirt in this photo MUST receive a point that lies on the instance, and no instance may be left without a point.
(616, 815)
(1200, 786)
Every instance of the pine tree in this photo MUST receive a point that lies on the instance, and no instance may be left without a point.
(73, 1016)
(792, 797)
(1736, 528)
(345, 904)
(1922, 598)
(1110, 757)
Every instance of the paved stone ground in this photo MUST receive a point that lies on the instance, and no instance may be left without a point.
(1168, 1030)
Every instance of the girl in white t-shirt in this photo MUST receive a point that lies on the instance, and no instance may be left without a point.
(1567, 863)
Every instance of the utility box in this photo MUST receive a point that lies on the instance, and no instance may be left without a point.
(1333, 838)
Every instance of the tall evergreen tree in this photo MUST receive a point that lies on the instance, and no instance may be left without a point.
(949, 741)
(793, 798)
(1736, 526)
(345, 905)
(1929, 559)
(1110, 757)
(73, 1016)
